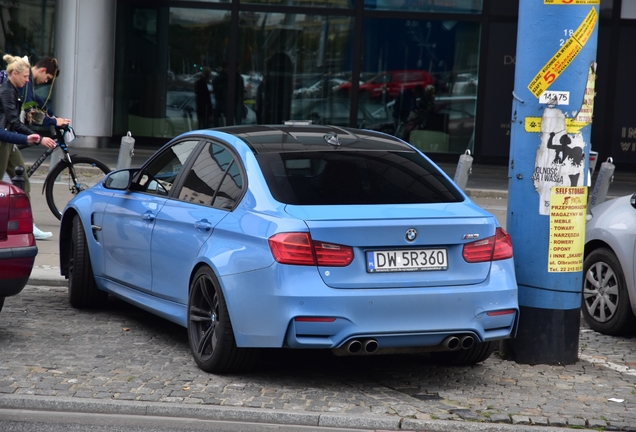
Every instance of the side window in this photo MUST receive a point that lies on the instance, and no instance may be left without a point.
(215, 179)
(160, 175)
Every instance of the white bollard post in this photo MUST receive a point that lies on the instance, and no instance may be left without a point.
(601, 186)
(464, 168)
(126, 151)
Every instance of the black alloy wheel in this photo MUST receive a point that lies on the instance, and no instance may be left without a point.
(210, 333)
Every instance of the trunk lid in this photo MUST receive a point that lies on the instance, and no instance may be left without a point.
(383, 228)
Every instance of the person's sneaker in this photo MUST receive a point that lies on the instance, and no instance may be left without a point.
(41, 235)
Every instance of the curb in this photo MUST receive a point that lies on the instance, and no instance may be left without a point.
(486, 193)
(46, 277)
(254, 415)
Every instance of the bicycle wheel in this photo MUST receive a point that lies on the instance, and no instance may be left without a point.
(60, 187)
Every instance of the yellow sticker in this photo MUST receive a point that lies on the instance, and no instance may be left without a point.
(562, 59)
(567, 229)
(572, 126)
(571, 2)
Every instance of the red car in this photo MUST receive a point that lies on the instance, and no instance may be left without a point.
(393, 82)
(17, 244)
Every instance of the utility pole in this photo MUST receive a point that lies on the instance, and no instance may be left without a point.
(552, 107)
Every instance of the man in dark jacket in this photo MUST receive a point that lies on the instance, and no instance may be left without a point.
(44, 71)
(204, 103)
(220, 87)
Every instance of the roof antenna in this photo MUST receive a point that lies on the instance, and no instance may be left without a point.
(333, 139)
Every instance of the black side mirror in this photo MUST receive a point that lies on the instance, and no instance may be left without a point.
(119, 180)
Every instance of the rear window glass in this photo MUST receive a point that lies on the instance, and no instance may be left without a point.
(340, 177)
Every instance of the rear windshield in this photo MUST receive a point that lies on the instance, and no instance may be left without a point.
(355, 177)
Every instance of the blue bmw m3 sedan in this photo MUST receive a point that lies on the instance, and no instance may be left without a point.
(295, 236)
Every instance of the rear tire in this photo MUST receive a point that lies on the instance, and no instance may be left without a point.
(1, 303)
(59, 188)
(210, 332)
(82, 290)
(465, 357)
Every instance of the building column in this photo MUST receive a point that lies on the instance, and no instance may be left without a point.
(85, 49)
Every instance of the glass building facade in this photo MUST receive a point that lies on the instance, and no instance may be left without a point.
(405, 67)
(437, 73)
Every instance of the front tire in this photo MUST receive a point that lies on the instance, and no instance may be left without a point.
(60, 188)
(82, 290)
(478, 353)
(605, 304)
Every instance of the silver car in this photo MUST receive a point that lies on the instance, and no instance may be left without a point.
(609, 284)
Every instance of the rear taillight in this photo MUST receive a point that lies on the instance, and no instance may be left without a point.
(493, 248)
(20, 216)
(300, 249)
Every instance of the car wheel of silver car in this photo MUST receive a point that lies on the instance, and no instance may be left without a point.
(465, 357)
(605, 305)
(82, 290)
(210, 331)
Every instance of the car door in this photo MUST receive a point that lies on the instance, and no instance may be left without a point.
(210, 189)
(129, 218)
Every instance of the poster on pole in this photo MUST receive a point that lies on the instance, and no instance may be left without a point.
(568, 206)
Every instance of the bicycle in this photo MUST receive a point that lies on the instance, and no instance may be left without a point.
(71, 175)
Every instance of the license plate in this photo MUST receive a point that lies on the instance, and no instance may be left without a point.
(406, 260)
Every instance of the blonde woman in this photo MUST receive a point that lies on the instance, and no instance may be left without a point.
(18, 69)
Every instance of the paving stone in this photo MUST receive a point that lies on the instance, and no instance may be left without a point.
(87, 355)
(499, 418)
(520, 420)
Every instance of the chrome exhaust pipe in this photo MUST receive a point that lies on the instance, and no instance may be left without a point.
(353, 346)
(451, 343)
(467, 342)
(371, 346)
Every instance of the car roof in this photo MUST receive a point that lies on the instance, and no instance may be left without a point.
(304, 138)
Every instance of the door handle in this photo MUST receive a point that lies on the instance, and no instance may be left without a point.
(148, 216)
(203, 225)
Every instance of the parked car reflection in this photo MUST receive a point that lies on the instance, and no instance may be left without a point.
(335, 111)
(452, 121)
(390, 83)
(181, 114)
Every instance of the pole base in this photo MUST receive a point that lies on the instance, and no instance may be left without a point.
(545, 336)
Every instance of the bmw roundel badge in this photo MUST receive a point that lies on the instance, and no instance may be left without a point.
(411, 234)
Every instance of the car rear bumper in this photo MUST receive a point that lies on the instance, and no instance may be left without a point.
(15, 269)
(265, 306)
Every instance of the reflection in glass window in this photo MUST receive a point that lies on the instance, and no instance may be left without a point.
(459, 6)
(214, 179)
(160, 175)
(291, 61)
(27, 29)
(424, 76)
(356, 177)
(312, 3)
(170, 52)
